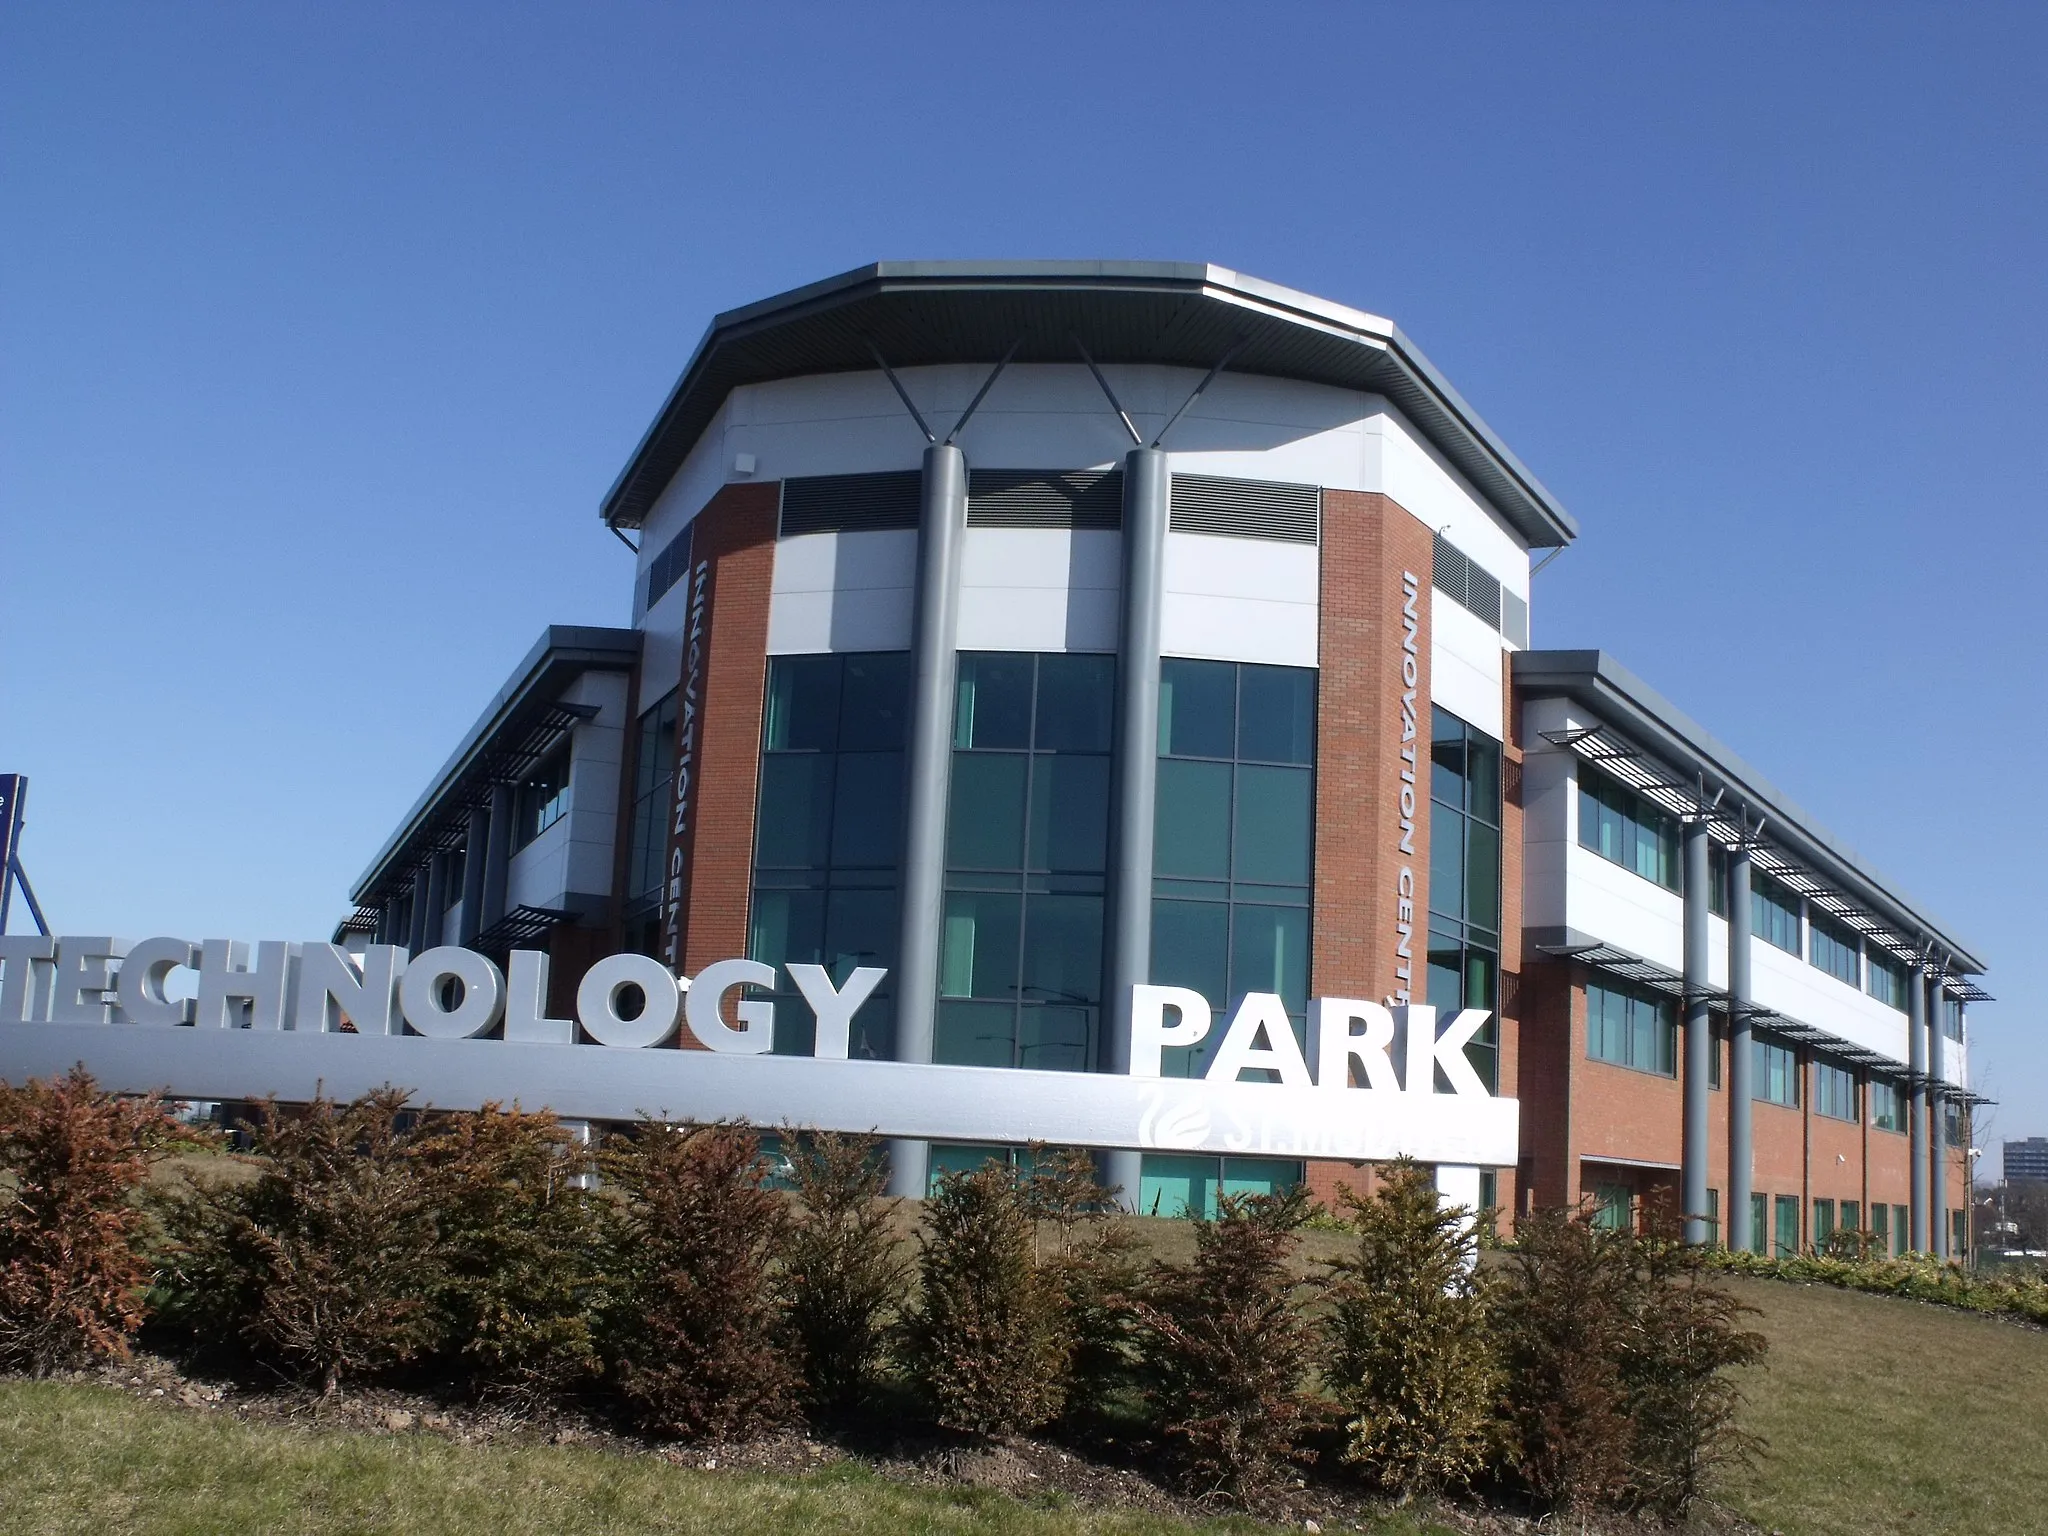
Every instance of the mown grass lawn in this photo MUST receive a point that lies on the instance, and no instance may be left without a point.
(1892, 1416)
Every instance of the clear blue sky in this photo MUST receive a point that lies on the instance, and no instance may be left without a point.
(323, 329)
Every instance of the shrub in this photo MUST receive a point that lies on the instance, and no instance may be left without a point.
(1411, 1362)
(1094, 1265)
(515, 1239)
(72, 1270)
(1225, 1348)
(1681, 1402)
(691, 1325)
(1564, 1309)
(987, 1345)
(843, 1275)
(324, 1265)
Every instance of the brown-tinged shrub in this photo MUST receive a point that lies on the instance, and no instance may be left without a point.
(691, 1327)
(516, 1243)
(325, 1264)
(1681, 1401)
(1411, 1362)
(1565, 1309)
(1226, 1345)
(1091, 1256)
(987, 1344)
(72, 1267)
(843, 1273)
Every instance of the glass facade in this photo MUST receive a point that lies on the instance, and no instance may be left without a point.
(1834, 1091)
(654, 782)
(1952, 1017)
(1774, 912)
(1619, 824)
(1832, 947)
(1464, 882)
(1887, 1105)
(544, 797)
(1785, 1241)
(1234, 839)
(1182, 1185)
(828, 832)
(1885, 980)
(1020, 960)
(1774, 1077)
(1631, 1028)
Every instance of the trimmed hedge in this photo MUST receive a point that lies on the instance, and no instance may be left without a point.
(1916, 1277)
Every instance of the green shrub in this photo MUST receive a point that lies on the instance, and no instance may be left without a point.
(326, 1263)
(691, 1327)
(72, 1269)
(515, 1238)
(1095, 1265)
(1225, 1346)
(1411, 1362)
(843, 1274)
(987, 1345)
(1917, 1277)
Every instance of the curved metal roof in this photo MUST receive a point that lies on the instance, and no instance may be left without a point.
(1181, 313)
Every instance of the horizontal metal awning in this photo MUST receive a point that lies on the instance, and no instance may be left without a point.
(521, 925)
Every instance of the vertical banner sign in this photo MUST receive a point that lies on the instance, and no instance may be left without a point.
(682, 821)
(1404, 880)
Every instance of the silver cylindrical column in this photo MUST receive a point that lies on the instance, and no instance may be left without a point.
(1937, 1133)
(497, 855)
(416, 915)
(475, 852)
(1741, 1057)
(437, 897)
(1916, 1142)
(928, 760)
(1134, 775)
(1699, 1040)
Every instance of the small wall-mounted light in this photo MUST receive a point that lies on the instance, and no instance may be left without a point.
(743, 463)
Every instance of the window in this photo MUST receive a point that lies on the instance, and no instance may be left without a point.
(1885, 979)
(544, 797)
(966, 1157)
(1713, 1218)
(1176, 1185)
(1952, 1124)
(1834, 1091)
(1774, 912)
(1880, 1230)
(1613, 1207)
(1759, 1224)
(1631, 1028)
(1887, 1105)
(1832, 947)
(1233, 838)
(1464, 881)
(1952, 1017)
(1785, 1239)
(1774, 1073)
(1717, 881)
(1958, 1234)
(1823, 1224)
(1902, 1231)
(1027, 839)
(1619, 824)
(827, 832)
(654, 777)
(1852, 1216)
(1717, 1037)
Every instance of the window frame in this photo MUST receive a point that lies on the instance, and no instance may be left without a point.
(1663, 1024)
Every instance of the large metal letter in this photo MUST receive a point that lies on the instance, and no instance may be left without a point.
(481, 1005)
(228, 989)
(597, 1001)
(526, 1002)
(26, 961)
(934, 660)
(1699, 1039)
(330, 985)
(1741, 1057)
(1333, 1036)
(85, 980)
(833, 1008)
(756, 1034)
(140, 988)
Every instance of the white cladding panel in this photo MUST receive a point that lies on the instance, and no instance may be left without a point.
(1231, 599)
(1465, 660)
(1810, 995)
(1039, 589)
(1413, 473)
(1614, 904)
(842, 592)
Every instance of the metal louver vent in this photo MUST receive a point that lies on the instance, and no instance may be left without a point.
(1246, 509)
(1043, 498)
(668, 565)
(1455, 575)
(850, 503)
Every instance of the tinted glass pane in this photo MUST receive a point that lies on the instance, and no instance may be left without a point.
(1197, 708)
(788, 925)
(975, 1035)
(1053, 1039)
(860, 929)
(978, 945)
(985, 825)
(1069, 814)
(867, 820)
(1447, 977)
(1190, 946)
(1269, 953)
(1482, 763)
(1447, 766)
(1258, 1176)
(1191, 830)
(874, 702)
(994, 708)
(1177, 1186)
(1063, 949)
(796, 810)
(1276, 720)
(803, 703)
(1075, 693)
(1273, 821)
(1482, 874)
(1446, 862)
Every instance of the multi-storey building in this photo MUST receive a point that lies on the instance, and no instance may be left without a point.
(1033, 630)
(2027, 1159)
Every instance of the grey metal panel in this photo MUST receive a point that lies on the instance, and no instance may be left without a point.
(1179, 314)
(1042, 498)
(850, 503)
(1622, 699)
(1247, 509)
(1937, 1132)
(1698, 1035)
(1741, 1055)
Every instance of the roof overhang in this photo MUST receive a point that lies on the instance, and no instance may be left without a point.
(1185, 314)
(503, 734)
(1620, 699)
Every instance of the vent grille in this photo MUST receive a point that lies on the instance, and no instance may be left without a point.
(1246, 509)
(1039, 498)
(1465, 583)
(850, 503)
(668, 566)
